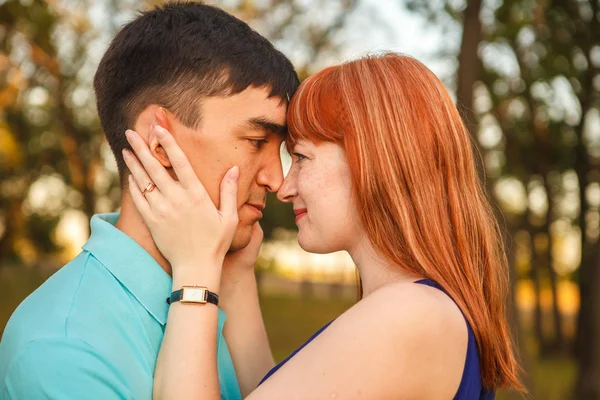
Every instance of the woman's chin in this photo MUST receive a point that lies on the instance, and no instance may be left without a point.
(313, 246)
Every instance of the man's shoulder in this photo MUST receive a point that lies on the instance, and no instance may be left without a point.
(46, 310)
(81, 314)
(68, 304)
(47, 307)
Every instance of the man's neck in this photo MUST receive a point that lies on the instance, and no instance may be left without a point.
(132, 224)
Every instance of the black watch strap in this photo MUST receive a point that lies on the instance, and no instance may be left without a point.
(211, 297)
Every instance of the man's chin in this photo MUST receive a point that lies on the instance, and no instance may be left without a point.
(242, 237)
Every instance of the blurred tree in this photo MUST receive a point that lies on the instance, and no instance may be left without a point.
(20, 162)
(528, 84)
(544, 108)
(49, 118)
(53, 156)
(534, 149)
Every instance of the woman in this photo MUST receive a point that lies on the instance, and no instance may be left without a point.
(382, 168)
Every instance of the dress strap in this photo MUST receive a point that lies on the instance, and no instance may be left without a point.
(281, 364)
(429, 282)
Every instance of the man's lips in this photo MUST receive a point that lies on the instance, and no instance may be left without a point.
(257, 208)
(300, 212)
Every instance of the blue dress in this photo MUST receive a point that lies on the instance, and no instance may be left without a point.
(470, 385)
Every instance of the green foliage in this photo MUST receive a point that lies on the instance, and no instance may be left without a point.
(37, 229)
(45, 128)
(277, 215)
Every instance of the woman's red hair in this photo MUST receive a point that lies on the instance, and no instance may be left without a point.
(415, 179)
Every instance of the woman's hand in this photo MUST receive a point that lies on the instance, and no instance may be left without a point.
(243, 261)
(186, 226)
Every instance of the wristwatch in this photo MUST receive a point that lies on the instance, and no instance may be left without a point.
(194, 294)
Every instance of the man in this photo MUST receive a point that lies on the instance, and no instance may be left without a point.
(93, 330)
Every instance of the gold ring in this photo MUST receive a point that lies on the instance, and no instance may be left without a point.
(149, 187)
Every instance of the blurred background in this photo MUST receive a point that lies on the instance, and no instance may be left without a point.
(525, 74)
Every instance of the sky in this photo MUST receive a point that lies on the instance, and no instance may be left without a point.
(375, 26)
(403, 32)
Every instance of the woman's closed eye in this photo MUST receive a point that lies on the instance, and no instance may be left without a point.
(299, 156)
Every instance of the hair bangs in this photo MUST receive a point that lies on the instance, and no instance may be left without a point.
(315, 111)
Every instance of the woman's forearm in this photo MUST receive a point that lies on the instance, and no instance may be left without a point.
(191, 331)
(245, 331)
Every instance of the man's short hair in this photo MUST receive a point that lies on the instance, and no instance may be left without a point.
(176, 56)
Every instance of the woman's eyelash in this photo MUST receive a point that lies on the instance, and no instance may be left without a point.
(299, 156)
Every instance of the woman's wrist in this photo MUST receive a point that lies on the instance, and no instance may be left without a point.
(202, 273)
(231, 279)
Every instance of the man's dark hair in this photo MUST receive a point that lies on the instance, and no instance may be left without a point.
(176, 56)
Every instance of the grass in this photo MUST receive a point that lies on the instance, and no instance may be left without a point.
(291, 319)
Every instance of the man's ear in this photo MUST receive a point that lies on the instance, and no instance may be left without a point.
(161, 119)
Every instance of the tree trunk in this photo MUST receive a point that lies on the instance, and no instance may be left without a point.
(588, 351)
(468, 64)
(467, 74)
(537, 288)
(559, 338)
(516, 327)
(588, 323)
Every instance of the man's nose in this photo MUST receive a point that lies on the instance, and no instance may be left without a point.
(271, 174)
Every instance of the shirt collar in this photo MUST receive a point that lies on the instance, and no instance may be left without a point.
(133, 266)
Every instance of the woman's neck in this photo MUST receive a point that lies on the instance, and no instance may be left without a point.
(375, 270)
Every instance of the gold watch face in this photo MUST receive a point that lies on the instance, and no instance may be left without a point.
(192, 294)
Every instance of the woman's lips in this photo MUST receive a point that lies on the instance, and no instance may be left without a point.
(300, 212)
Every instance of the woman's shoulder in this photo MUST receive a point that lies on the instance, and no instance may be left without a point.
(419, 327)
(394, 343)
(401, 302)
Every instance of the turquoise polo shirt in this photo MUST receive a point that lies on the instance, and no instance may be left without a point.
(93, 329)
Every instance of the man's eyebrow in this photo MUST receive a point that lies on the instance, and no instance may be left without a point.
(266, 125)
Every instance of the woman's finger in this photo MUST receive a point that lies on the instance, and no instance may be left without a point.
(229, 186)
(141, 179)
(141, 203)
(181, 165)
(154, 169)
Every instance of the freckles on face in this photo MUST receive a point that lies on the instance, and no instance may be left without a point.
(323, 183)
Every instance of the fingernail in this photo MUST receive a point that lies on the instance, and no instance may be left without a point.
(125, 153)
(129, 134)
